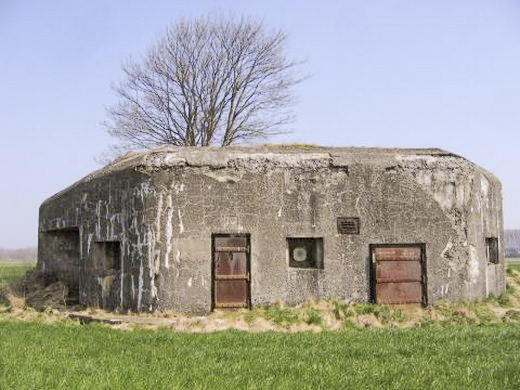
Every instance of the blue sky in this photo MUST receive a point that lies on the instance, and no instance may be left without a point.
(396, 73)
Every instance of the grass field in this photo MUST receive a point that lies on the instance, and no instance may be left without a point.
(513, 263)
(66, 355)
(43, 350)
(11, 270)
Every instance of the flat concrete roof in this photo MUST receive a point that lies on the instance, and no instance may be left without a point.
(267, 157)
(283, 154)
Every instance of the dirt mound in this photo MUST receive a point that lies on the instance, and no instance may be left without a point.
(54, 295)
(43, 290)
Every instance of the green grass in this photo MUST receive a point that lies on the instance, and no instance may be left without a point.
(468, 350)
(275, 313)
(313, 317)
(11, 270)
(66, 355)
(513, 263)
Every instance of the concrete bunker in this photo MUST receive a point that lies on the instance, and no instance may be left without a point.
(194, 229)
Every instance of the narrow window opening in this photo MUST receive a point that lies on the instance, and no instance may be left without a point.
(60, 251)
(109, 255)
(305, 252)
(492, 250)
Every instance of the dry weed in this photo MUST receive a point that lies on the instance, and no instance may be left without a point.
(366, 320)
(310, 315)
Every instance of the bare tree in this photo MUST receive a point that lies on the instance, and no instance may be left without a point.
(206, 82)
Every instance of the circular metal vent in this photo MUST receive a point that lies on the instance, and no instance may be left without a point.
(299, 254)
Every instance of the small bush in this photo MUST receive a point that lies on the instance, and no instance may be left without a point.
(504, 300)
(367, 308)
(343, 310)
(397, 315)
(483, 313)
(313, 317)
(512, 316)
(281, 316)
(4, 301)
(339, 309)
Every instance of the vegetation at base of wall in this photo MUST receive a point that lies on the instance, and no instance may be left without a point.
(312, 315)
(65, 355)
(276, 313)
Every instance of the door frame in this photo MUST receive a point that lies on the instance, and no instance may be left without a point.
(373, 265)
(248, 267)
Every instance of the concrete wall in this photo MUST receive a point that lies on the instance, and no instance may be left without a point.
(161, 208)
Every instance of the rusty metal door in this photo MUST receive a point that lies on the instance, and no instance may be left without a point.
(398, 274)
(230, 271)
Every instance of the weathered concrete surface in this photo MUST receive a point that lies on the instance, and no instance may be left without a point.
(160, 209)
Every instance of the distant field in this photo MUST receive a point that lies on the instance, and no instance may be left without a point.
(4, 260)
(513, 263)
(11, 270)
